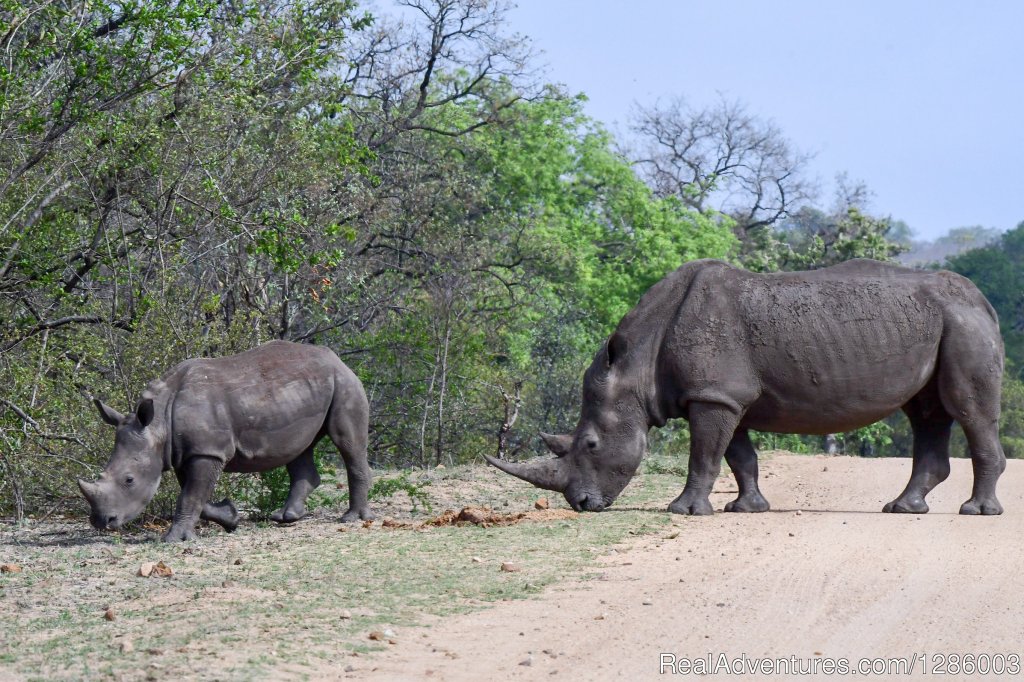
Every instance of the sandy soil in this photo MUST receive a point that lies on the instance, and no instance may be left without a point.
(821, 579)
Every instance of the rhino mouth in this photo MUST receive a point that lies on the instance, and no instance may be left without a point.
(105, 522)
(588, 502)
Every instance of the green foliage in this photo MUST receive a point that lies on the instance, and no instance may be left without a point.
(386, 488)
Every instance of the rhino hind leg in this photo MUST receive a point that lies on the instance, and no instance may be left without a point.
(931, 425)
(969, 382)
(348, 431)
(742, 459)
(712, 429)
(988, 462)
(304, 480)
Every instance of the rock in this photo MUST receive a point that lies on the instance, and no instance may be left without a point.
(526, 662)
(477, 560)
(126, 646)
(376, 635)
(10, 568)
(109, 614)
(158, 569)
(345, 615)
(509, 567)
(541, 503)
(227, 584)
(238, 562)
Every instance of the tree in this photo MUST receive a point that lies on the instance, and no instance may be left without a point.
(722, 157)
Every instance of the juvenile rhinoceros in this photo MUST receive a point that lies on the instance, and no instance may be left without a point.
(254, 411)
(804, 352)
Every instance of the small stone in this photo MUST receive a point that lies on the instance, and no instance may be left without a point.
(376, 635)
(10, 568)
(792, 535)
(647, 603)
(146, 569)
(345, 615)
(509, 567)
(227, 584)
(109, 614)
(238, 562)
(526, 662)
(477, 560)
(350, 668)
(127, 647)
(600, 616)
(799, 513)
(541, 503)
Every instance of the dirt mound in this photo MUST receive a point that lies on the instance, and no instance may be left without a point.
(484, 517)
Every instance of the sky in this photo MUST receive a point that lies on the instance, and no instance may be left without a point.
(922, 101)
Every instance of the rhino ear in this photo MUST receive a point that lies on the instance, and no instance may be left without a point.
(108, 413)
(616, 348)
(145, 412)
(559, 444)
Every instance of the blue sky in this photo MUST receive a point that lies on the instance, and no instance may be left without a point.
(920, 100)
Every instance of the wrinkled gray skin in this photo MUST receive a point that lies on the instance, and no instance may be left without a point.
(816, 352)
(250, 412)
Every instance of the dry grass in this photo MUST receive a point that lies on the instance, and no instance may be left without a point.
(281, 602)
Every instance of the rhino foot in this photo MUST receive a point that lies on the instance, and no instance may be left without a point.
(357, 515)
(288, 515)
(177, 534)
(912, 505)
(223, 513)
(984, 506)
(691, 507)
(748, 503)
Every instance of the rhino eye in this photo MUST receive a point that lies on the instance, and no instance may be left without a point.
(129, 480)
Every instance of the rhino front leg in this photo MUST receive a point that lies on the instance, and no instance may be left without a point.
(223, 513)
(198, 481)
(304, 480)
(712, 426)
(742, 459)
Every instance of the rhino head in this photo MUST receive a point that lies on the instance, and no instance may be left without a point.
(595, 462)
(132, 475)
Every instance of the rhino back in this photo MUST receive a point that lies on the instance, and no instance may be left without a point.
(812, 352)
(257, 409)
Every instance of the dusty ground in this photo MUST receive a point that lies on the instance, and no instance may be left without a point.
(821, 579)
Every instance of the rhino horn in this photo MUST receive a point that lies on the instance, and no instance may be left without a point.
(549, 474)
(88, 489)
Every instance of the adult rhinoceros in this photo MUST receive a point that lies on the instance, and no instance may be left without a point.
(804, 352)
(254, 411)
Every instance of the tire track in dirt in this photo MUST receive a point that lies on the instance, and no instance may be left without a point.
(837, 580)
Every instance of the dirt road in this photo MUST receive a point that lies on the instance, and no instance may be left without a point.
(821, 579)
